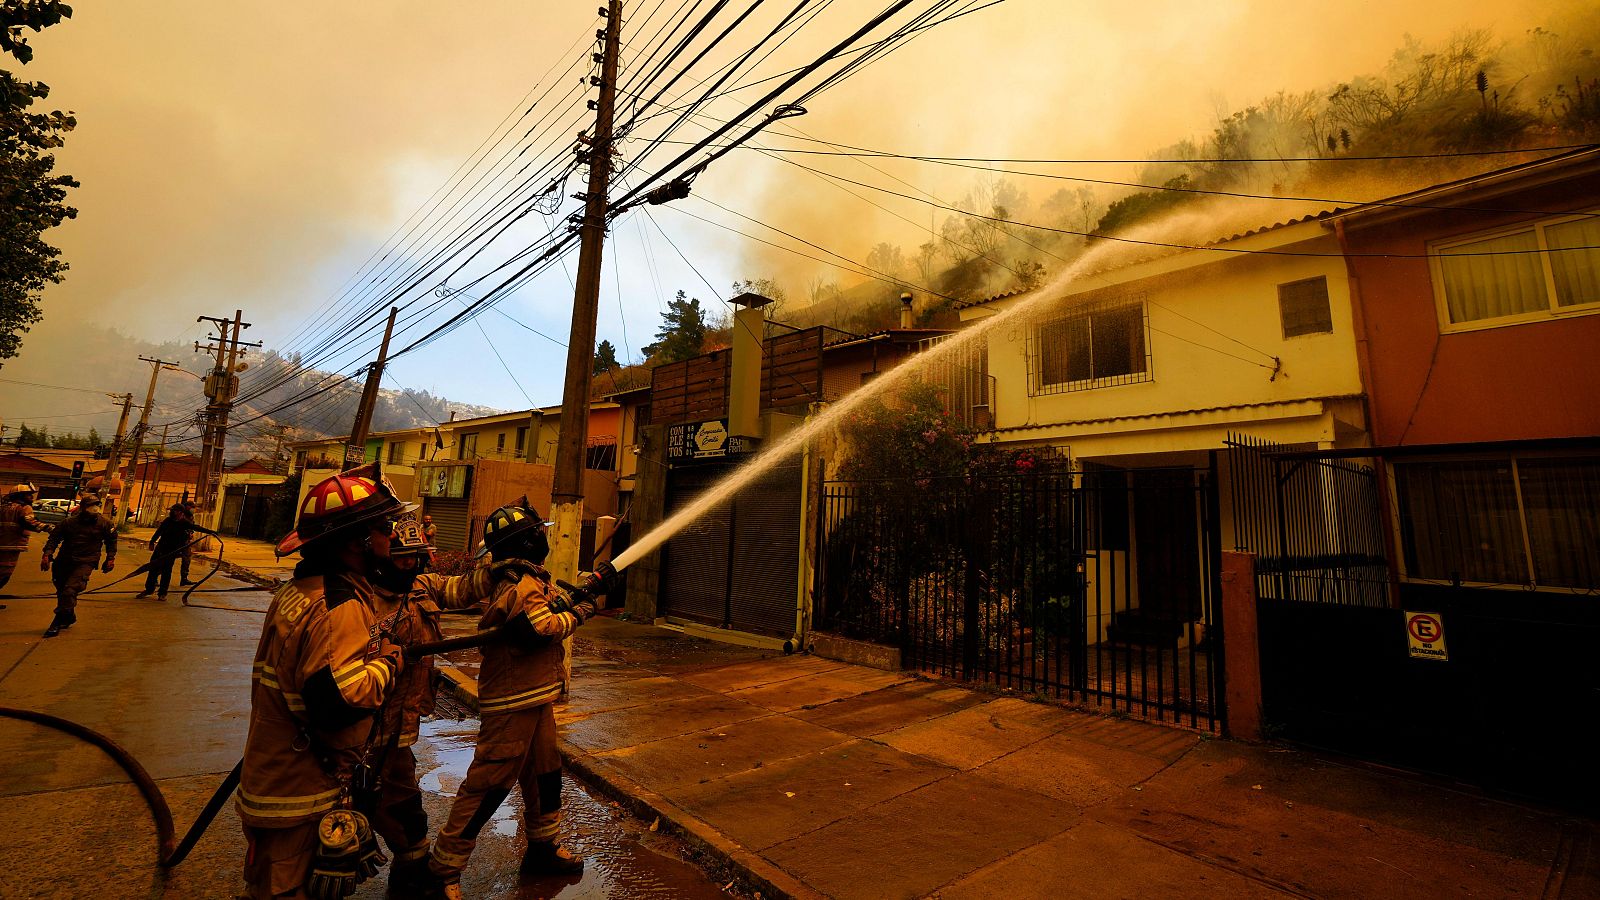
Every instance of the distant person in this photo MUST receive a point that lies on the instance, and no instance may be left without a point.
(16, 520)
(79, 538)
(430, 533)
(166, 545)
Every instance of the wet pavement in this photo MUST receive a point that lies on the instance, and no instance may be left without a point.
(171, 684)
(625, 859)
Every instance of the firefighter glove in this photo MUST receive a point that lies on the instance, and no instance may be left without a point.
(370, 857)
(392, 652)
(336, 867)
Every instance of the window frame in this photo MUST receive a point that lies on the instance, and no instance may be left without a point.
(1327, 302)
(468, 448)
(1037, 386)
(1515, 458)
(1552, 312)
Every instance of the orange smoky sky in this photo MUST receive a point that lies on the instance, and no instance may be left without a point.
(253, 154)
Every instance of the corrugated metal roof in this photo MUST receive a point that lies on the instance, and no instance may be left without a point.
(1017, 429)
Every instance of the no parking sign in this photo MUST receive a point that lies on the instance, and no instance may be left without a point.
(1425, 636)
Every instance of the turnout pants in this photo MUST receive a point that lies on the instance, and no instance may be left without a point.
(188, 554)
(516, 748)
(277, 863)
(8, 564)
(70, 578)
(400, 819)
(160, 568)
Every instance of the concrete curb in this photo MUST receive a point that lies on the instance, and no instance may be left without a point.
(644, 803)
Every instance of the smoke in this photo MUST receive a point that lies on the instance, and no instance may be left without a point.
(1117, 81)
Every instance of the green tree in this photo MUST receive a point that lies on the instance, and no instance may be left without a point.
(605, 358)
(94, 438)
(33, 437)
(682, 333)
(31, 196)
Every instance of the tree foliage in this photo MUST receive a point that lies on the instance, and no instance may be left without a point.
(682, 334)
(605, 357)
(32, 197)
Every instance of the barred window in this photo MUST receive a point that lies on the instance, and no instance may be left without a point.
(1093, 348)
(1303, 307)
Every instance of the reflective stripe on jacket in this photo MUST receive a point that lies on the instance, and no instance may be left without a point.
(418, 624)
(316, 681)
(528, 670)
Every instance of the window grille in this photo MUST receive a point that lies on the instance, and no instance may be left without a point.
(1092, 346)
(1303, 307)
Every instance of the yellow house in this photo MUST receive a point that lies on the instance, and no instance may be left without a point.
(1135, 378)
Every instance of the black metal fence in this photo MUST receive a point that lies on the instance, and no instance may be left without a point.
(1315, 525)
(1093, 587)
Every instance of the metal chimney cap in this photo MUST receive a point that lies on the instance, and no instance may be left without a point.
(905, 297)
(754, 301)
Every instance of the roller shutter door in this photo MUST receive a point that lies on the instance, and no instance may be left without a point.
(759, 533)
(694, 564)
(450, 517)
(766, 548)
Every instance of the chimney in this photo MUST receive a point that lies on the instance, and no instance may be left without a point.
(744, 387)
(905, 310)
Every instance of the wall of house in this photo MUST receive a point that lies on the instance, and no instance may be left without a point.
(1509, 382)
(1212, 333)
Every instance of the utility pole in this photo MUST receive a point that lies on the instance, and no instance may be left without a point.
(566, 508)
(221, 387)
(116, 452)
(156, 365)
(369, 395)
(278, 468)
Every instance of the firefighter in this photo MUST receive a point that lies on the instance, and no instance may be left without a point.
(172, 536)
(16, 520)
(399, 817)
(325, 666)
(79, 538)
(518, 684)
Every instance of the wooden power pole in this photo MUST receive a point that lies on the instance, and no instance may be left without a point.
(139, 431)
(566, 509)
(221, 387)
(115, 456)
(369, 395)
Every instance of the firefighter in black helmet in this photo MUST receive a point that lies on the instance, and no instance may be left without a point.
(517, 689)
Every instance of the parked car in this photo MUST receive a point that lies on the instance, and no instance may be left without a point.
(52, 511)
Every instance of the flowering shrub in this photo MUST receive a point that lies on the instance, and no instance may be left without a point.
(453, 562)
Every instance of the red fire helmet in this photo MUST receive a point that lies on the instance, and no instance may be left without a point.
(356, 497)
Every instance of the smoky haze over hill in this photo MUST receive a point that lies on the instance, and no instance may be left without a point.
(102, 360)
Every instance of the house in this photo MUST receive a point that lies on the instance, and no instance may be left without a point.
(1475, 307)
(462, 470)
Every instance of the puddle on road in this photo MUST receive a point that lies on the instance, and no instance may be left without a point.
(624, 858)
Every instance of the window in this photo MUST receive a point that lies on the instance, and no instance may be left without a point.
(1303, 307)
(1520, 520)
(522, 440)
(1090, 349)
(500, 442)
(397, 453)
(469, 446)
(1526, 274)
(602, 457)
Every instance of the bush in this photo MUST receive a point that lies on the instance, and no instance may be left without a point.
(453, 562)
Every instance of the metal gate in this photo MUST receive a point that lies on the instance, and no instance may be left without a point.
(1095, 587)
(450, 517)
(1509, 708)
(737, 566)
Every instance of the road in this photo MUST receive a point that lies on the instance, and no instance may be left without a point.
(171, 684)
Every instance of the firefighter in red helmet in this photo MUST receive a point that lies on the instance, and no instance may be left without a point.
(330, 656)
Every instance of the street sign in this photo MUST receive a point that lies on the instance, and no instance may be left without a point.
(1425, 636)
(693, 441)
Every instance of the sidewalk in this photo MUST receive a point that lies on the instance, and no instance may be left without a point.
(818, 778)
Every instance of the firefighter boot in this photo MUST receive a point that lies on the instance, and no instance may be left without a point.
(54, 629)
(410, 878)
(550, 858)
